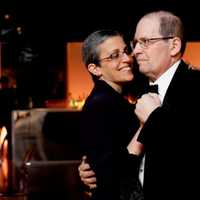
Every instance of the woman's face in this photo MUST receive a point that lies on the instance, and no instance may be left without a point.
(115, 62)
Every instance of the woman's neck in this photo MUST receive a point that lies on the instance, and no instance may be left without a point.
(115, 86)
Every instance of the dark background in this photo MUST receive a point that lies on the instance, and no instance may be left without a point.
(47, 24)
(73, 20)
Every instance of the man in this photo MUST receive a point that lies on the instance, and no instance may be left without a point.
(170, 131)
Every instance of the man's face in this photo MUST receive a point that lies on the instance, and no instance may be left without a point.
(152, 55)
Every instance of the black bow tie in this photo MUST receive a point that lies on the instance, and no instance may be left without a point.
(152, 88)
(147, 89)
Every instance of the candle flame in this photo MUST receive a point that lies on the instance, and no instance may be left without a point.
(76, 104)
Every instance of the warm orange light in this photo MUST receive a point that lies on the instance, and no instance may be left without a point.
(3, 161)
(191, 55)
(131, 99)
(3, 134)
(79, 81)
(76, 103)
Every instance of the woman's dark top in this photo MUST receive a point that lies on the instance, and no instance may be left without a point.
(107, 126)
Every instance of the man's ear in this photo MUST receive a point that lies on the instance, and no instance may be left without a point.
(175, 46)
(94, 69)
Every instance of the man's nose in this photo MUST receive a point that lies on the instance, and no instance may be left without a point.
(137, 49)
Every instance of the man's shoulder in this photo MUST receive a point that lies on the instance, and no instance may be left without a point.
(193, 67)
(193, 72)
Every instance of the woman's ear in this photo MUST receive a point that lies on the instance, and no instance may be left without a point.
(94, 69)
(175, 46)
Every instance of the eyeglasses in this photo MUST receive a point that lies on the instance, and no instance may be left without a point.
(145, 42)
(117, 54)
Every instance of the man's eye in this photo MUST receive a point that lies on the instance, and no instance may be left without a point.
(145, 41)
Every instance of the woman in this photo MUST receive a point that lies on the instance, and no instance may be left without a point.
(108, 123)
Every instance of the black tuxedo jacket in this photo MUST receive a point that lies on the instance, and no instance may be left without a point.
(171, 139)
(108, 123)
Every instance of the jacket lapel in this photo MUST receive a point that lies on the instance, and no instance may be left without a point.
(176, 86)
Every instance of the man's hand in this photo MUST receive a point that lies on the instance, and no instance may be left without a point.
(86, 174)
(146, 105)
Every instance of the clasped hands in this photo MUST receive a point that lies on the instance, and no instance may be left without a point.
(146, 105)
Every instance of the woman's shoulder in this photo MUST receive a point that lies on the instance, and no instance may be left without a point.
(99, 100)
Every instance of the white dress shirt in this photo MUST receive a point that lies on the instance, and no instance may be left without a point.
(163, 83)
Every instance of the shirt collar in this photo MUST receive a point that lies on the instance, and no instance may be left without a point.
(165, 79)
